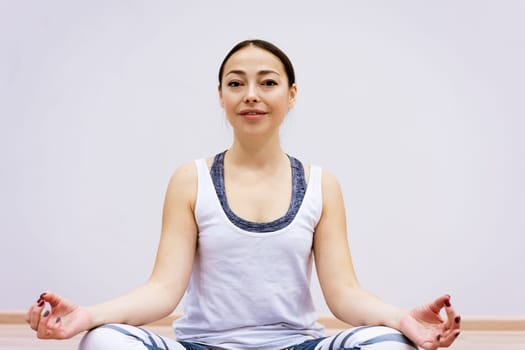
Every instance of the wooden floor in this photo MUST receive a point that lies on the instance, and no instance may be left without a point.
(21, 337)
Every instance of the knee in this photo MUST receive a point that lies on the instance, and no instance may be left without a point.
(370, 338)
(385, 338)
(100, 338)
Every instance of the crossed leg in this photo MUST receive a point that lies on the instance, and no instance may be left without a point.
(367, 338)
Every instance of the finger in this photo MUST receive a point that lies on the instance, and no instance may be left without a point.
(29, 312)
(430, 341)
(430, 344)
(35, 313)
(449, 339)
(50, 325)
(440, 303)
(44, 331)
(51, 298)
(453, 319)
(27, 316)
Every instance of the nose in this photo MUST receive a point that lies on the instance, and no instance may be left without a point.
(251, 94)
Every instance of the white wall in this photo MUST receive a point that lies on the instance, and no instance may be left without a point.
(416, 106)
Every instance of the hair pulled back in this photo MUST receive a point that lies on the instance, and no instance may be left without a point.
(267, 46)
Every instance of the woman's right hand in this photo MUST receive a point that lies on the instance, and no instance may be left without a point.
(62, 320)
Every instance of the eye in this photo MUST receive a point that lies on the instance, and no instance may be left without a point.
(234, 83)
(269, 82)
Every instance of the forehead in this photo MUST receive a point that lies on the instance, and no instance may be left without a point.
(254, 58)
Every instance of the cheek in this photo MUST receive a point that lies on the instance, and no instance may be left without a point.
(227, 102)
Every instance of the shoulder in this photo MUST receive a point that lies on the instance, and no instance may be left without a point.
(184, 174)
(329, 183)
(331, 189)
(182, 185)
(329, 180)
(185, 178)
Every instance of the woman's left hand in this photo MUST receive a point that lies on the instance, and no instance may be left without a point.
(425, 326)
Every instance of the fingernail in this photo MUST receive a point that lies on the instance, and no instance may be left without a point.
(58, 320)
(41, 303)
(46, 313)
(438, 337)
(42, 295)
(457, 319)
(457, 334)
(447, 302)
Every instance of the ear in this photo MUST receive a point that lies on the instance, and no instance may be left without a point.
(220, 96)
(292, 95)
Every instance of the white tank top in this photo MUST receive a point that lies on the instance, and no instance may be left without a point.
(251, 290)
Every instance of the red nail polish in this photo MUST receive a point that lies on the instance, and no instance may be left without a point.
(41, 303)
(57, 320)
(42, 295)
(438, 337)
(457, 334)
(447, 302)
(457, 319)
(46, 313)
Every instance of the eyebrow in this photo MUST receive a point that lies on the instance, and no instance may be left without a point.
(261, 72)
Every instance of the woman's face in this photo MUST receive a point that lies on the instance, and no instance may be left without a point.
(254, 92)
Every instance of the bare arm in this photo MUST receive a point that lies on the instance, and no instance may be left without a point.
(154, 299)
(354, 305)
(342, 291)
(164, 289)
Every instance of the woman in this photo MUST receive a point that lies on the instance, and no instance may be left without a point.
(240, 231)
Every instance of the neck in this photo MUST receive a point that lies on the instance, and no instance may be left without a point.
(256, 153)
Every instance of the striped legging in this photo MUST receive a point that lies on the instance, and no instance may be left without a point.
(125, 337)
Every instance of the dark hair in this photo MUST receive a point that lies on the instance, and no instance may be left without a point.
(265, 45)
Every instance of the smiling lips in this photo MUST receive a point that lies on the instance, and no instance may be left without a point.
(252, 113)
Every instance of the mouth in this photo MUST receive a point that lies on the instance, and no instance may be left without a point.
(252, 113)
